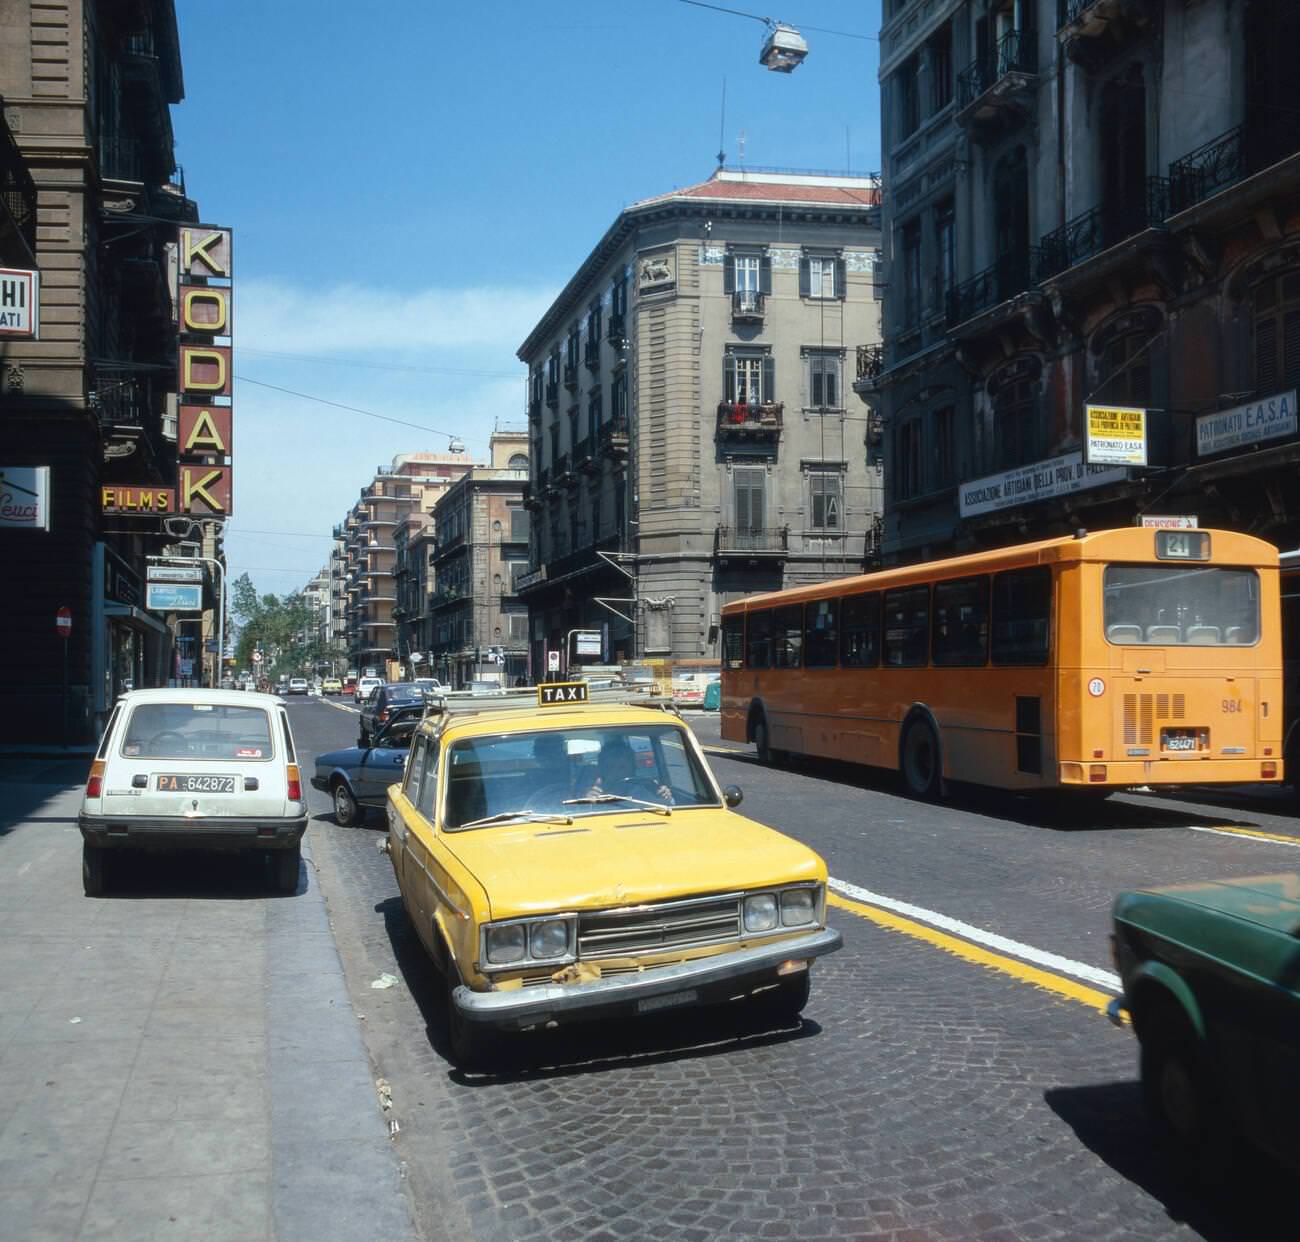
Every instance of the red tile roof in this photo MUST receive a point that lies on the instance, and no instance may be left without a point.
(756, 189)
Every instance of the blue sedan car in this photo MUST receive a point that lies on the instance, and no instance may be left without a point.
(359, 777)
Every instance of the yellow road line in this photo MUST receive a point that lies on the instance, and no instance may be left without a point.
(1257, 833)
(1033, 975)
(722, 750)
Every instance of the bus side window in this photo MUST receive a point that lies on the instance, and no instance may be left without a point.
(788, 633)
(907, 627)
(1022, 614)
(821, 633)
(961, 623)
(758, 639)
(860, 631)
(733, 641)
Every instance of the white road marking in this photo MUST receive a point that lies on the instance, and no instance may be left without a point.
(977, 935)
(1244, 835)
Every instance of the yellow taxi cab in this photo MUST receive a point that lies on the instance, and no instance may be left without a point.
(570, 856)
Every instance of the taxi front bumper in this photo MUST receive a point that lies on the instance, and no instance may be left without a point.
(174, 832)
(708, 978)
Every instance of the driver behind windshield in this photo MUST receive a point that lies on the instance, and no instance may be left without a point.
(617, 775)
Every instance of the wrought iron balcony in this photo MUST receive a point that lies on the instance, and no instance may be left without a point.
(750, 541)
(17, 204)
(1002, 280)
(747, 306)
(1092, 29)
(1230, 158)
(997, 81)
(570, 375)
(1094, 231)
(616, 332)
(739, 418)
(562, 468)
(552, 393)
(591, 353)
(871, 361)
(613, 438)
(584, 455)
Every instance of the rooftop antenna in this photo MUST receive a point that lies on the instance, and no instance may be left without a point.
(722, 127)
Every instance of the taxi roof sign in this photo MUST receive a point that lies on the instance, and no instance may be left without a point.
(556, 693)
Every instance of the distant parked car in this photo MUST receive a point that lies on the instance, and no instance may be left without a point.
(430, 685)
(365, 685)
(297, 685)
(190, 770)
(381, 706)
(358, 778)
(1211, 984)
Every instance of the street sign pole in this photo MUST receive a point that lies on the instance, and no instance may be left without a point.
(63, 627)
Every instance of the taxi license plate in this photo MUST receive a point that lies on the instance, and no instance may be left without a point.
(652, 1003)
(193, 782)
(1180, 741)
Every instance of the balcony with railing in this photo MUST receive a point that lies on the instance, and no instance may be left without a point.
(745, 421)
(997, 283)
(552, 393)
(1091, 29)
(751, 541)
(747, 306)
(562, 470)
(591, 353)
(17, 204)
(996, 86)
(871, 363)
(1093, 231)
(446, 598)
(585, 455)
(616, 331)
(612, 439)
(571, 375)
(1230, 158)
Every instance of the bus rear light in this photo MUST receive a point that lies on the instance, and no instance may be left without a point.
(1268, 750)
(1096, 771)
(1098, 754)
(1268, 771)
(95, 783)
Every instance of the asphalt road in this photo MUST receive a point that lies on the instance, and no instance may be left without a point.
(952, 1079)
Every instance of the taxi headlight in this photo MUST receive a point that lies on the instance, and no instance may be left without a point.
(760, 912)
(798, 907)
(507, 944)
(549, 939)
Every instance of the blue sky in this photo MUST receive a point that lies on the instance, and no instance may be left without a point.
(408, 198)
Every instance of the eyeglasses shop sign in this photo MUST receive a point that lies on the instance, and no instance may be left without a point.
(1270, 419)
(1058, 476)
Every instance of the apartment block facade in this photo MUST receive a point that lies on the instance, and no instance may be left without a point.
(690, 437)
(92, 199)
(1091, 202)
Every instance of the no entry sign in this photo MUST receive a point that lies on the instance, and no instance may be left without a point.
(63, 622)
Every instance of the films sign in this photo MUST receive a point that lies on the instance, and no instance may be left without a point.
(1273, 418)
(130, 500)
(1058, 476)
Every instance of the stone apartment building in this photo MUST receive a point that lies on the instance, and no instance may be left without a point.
(1090, 201)
(92, 198)
(368, 562)
(691, 438)
(480, 549)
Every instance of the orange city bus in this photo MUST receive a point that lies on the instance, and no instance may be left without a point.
(1120, 658)
(1290, 578)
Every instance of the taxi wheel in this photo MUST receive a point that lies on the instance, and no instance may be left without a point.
(1181, 1097)
(788, 999)
(345, 805)
(286, 863)
(94, 871)
(472, 1045)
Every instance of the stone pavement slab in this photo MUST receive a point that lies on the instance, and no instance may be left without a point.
(179, 1060)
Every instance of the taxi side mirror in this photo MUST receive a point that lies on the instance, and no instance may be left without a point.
(733, 796)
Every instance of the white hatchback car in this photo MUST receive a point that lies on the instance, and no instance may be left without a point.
(366, 687)
(194, 769)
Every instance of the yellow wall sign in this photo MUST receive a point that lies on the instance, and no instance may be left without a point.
(1117, 436)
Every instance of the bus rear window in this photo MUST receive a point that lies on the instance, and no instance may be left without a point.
(1167, 606)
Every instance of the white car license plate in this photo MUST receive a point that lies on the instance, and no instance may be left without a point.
(193, 782)
(670, 1001)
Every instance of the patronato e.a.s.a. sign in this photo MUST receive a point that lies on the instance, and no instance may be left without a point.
(205, 423)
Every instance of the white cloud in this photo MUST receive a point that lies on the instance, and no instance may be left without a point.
(271, 315)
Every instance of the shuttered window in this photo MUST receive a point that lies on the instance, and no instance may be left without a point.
(1277, 334)
(749, 488)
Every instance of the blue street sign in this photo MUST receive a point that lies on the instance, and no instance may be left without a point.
(173, 597)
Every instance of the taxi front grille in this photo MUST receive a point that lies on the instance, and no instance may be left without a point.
(659, 926)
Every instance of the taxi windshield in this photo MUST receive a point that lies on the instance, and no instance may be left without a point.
(573, 772)
(197, 731)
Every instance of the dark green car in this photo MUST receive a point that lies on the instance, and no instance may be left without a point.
(1211, 975)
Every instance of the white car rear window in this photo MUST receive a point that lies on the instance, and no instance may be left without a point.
(197, 731)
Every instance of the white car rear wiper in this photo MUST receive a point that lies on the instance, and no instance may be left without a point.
(533, 817)
(654, 806)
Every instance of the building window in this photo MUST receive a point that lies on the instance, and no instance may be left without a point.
(594, 414)
(824, 381)
(910, 247)
(618, 398)
(1015, 417)
(519, 525)
(593, 325)
(945, 456)
(750, 378)
(825, 499)
(1277, 334)
(909, 98)
(821, 277)
(1126, 370)
(749, 485)
(939, 48)
(907, 459)
(945, 247)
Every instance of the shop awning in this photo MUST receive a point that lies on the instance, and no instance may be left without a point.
(134, 616)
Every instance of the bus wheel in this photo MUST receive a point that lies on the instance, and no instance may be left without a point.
(922, 768)
(761, 743)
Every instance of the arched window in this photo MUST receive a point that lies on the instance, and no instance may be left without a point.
(1277, 333)
(518, 461)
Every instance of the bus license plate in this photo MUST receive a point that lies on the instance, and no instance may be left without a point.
(1180, 741)
(194, 782)
(651, 1003)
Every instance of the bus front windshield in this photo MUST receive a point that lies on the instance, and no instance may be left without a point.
(1171, 606)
